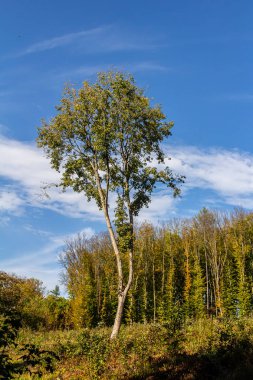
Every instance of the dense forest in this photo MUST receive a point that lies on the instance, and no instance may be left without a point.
(184, 269)
(186, 273)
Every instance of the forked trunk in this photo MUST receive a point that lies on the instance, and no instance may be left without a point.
(122, 291)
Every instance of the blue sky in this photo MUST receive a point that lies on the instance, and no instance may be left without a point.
(192, 57)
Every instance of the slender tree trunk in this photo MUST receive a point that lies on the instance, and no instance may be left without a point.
(207, 283)
(163, 272)
(118, 317)
(145, 295)
(154, 291)
(122, 290)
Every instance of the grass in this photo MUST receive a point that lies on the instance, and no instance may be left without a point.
(203, 349)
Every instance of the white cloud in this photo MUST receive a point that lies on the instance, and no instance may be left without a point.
(24, 163)
(160, 209)
(28, 171)
(240, 201)
(88, 232)
(229, 174)
(10, 202)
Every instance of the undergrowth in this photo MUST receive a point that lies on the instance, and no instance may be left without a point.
(203, 349)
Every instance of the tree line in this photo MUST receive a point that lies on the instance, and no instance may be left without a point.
(184, 269)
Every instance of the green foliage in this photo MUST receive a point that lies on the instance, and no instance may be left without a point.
(10, 296)
(133, 349)
(37, 361)
(95, 345)
(56, 312)
(8, 334)
(20, 299)
(23, 303)
(123, 227)
(108, 126)
(56, 291)
(16, 359)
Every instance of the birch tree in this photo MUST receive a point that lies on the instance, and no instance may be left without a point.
(102, 141)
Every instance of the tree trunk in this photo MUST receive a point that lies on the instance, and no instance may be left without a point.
(121, 299)
(118, 317)
(207, 283)
(154, 291)
(122, 291)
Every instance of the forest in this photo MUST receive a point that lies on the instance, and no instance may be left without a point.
(190, 302)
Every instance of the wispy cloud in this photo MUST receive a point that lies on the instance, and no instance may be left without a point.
(63, 40)
(43, 264)
(36, 231)
(107, 38)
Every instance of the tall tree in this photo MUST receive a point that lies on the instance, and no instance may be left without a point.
(103, 140)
